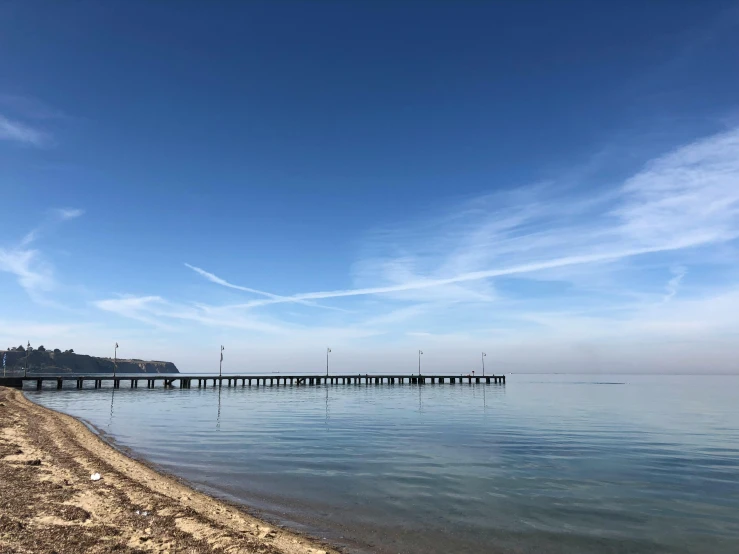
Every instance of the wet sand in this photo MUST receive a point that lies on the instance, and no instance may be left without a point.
(48, 504)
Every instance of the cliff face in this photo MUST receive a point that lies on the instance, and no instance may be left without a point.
(69, 362)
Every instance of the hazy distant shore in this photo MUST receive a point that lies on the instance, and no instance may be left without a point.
(50, 503)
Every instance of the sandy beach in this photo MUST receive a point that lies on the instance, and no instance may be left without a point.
(49, 504)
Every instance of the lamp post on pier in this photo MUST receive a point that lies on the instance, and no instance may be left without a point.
(115, 360)
(28, 352)
(420, 353)
(220, 365)
(328, 351)
(483, 363)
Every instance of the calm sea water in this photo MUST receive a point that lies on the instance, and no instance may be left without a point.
(563, 463)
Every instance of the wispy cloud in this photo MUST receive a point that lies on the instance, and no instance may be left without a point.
(547, 262)
(34, 273)
(22, 133)
(58, 215)
(25, 120)
(685, 199)
(218, 281)
(68, 213)
(674, 283)
(30, 108)
(472, 276)
(29, 237)
(160, 312)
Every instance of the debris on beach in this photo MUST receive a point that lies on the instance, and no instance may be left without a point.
(46, 505)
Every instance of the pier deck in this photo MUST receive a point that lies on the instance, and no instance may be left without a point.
(185, 381)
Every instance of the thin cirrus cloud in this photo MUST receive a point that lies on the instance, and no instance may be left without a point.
(30, 108)
(22, 133)
(674, 284)
(686, 199)
(33, 274)
(165, 315)
(160, 312)
(617, 254)
(68, 213)
(32, 270)
(219, 281)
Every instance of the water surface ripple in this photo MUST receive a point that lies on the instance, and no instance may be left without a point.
(563, 464)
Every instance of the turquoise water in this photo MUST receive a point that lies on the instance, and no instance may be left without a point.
(546, 463)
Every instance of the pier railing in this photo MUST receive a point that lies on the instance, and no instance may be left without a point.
(185, 381)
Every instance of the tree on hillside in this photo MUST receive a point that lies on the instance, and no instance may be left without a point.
(41, 348)
(20, 349)
(57, 351)
(70, 351)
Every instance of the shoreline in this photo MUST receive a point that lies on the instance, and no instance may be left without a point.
(51, 505)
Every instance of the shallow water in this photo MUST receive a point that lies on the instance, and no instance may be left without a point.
(546, 463)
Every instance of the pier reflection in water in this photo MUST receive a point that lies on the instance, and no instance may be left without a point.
(571, 464)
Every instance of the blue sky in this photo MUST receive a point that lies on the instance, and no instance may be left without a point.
(556, 184)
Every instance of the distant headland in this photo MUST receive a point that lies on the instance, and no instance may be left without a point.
(42, 360)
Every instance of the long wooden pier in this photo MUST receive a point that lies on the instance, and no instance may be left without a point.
(185, 381)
